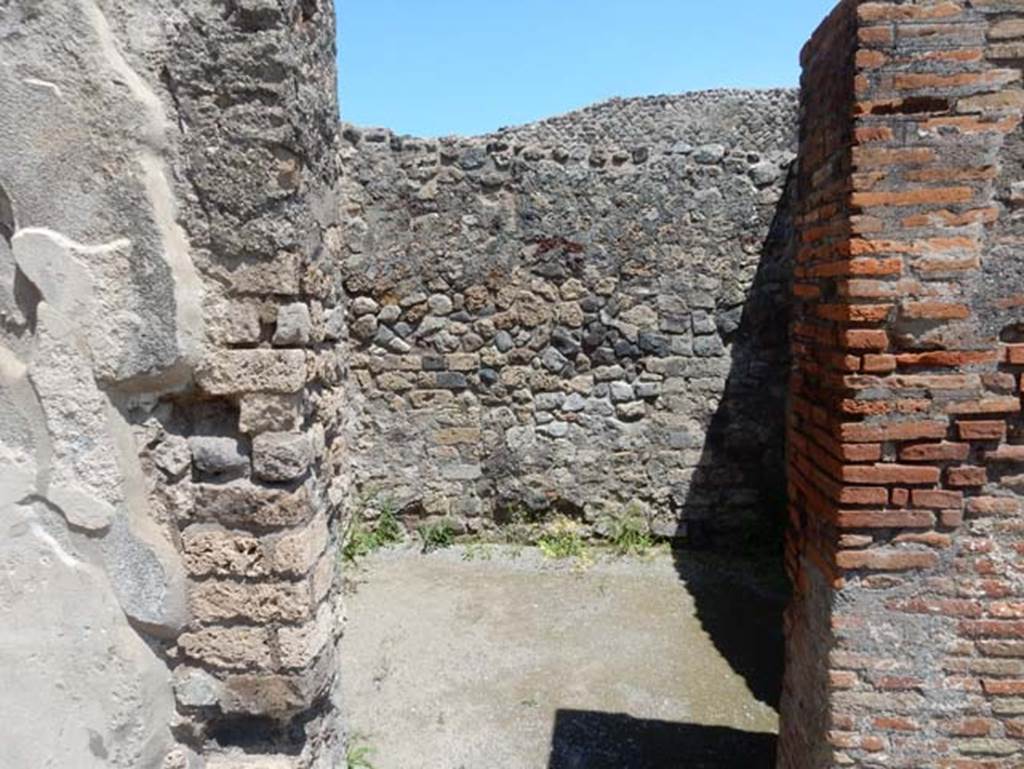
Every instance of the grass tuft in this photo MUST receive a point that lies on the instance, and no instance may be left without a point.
(437, 536)
(365, 537)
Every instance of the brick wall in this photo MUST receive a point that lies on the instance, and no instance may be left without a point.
(905, 637)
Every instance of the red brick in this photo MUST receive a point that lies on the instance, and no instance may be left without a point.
(866, 432)
(997, 405)
(951, 519)
(864, 339)
(966, 476)
(936, 499)
(1006, 453)
(885, 519)
(968, 727)
(910, 12)
(944, 358)
(935, 452)
(913, 197)
(890, 473)
(895, 724)
(993, 506)
(935, 311)
(992, 628)
(1015, 354)
(982, 430)
(1003, 686)
(885, 559)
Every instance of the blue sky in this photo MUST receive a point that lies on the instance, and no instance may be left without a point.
(436, 67)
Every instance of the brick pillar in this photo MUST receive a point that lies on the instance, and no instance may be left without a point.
(246, 458)
(906, 635)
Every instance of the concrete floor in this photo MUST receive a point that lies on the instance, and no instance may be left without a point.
(506, 661)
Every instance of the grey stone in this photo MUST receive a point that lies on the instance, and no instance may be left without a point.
(214, 454)
(334, 324)
(622, 392)
(439, 304)
(630, 411)
(709, 153)
(555, 429)
(708, 346)
(363, 328)
(548, 401)
(574, 403)
(703, 323)
(294, 326)
(463, 472)
(389, 313)
(281, 456)
(503, 341)
(553, 360)
(195, 688)
(647, 390)
(765, 173)
(363, 305)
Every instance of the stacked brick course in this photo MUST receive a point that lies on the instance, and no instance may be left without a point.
(243, 462)
(906, 643)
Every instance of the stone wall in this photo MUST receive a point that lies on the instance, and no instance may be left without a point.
(906, 635)
(168, 338)
(584, 315)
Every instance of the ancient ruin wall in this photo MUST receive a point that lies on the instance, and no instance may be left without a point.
(905, 635)
(167, 335)
(586, 314)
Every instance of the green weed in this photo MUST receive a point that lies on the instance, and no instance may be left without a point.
(365, 537)
(630, 533)
(477, 551)
(562, 540)
(437, 536)
(358, 757)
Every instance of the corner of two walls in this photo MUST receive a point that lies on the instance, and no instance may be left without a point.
(584, 316)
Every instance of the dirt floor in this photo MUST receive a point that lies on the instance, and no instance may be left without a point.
(496, 658)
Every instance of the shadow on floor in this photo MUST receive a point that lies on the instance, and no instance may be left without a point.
(591, 740)
(732, 513)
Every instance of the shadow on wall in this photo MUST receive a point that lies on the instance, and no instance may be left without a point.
(741, 604)
(590, 740)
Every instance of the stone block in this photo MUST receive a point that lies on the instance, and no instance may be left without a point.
(221, 600)
(278, 276)
(230, 372)
(209, 549)
(299, 646)
(235, 323)
(229, 648)
(295, 552)
(334, 324)
(262, 412)
(195, 688)
(217, 455)
(242, 504)
(294, 325)
(281, 456)
(463, 472)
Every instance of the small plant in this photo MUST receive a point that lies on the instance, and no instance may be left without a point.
(562, 540)
(630, 534)
(477, 551)
(365, 537)
(357, 756)
(387, 529)
(437, 536)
